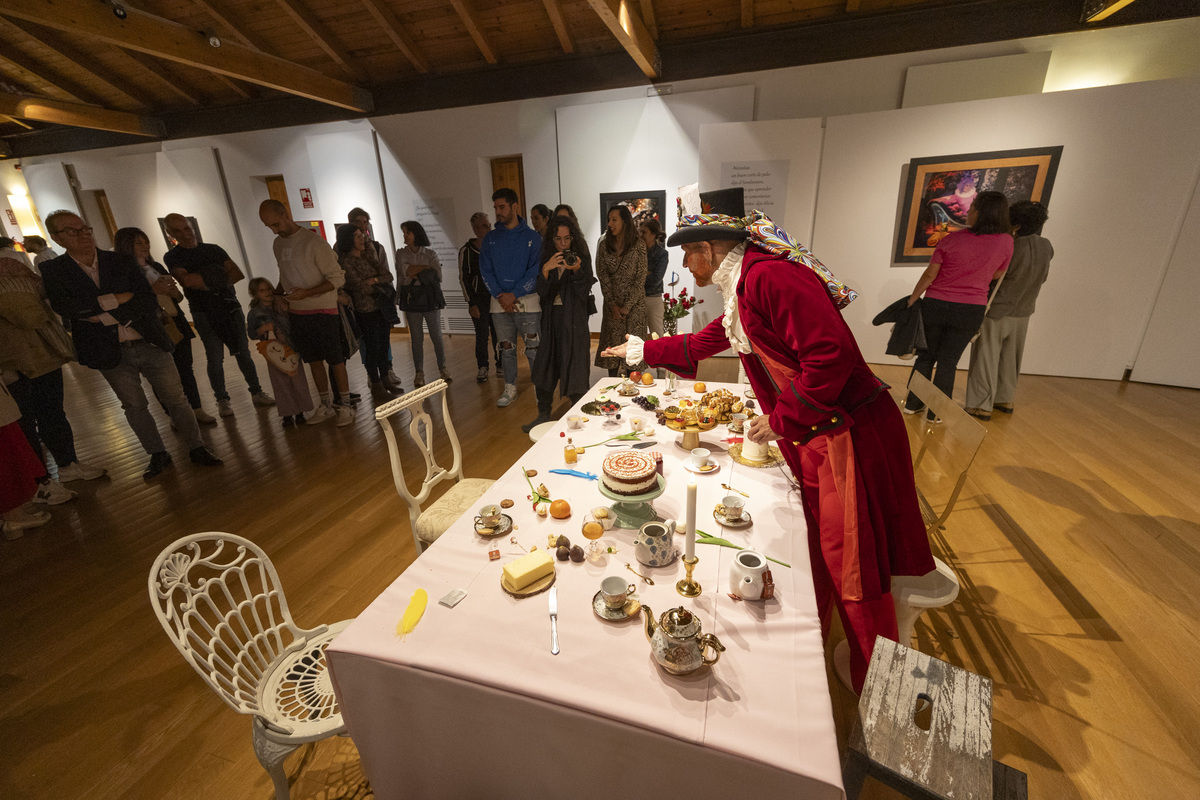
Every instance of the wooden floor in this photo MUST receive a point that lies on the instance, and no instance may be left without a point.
(1077, 541)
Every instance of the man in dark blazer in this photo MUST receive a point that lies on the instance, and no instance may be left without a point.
(113, 316)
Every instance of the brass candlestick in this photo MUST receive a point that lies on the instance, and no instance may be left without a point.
(688, 587)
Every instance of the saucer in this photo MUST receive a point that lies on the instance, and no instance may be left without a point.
(745, 522)
(506, 523)
(631, 609)
(634, 393)
(774, 457)
(707, 470)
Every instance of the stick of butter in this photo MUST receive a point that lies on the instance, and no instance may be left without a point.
(527, 569)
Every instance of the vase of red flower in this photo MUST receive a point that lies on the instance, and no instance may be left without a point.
(676, 308)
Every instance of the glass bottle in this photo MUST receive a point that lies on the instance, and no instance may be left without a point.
(569, 454)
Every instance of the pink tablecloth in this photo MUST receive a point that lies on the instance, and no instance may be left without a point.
(472, 704)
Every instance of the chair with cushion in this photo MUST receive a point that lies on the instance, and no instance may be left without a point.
(463, 496)
(219, 599)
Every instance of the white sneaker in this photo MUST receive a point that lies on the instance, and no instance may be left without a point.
(203, 417)
(53, 493)
(510, 394)
(80, 471)
(262, 399)
(345, 416)
(322, 413)
(225, 408)
(19, 520)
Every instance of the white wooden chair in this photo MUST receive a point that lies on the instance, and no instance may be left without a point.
(431, 523)
(219, 599)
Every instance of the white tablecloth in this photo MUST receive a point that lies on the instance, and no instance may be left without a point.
(473, 704)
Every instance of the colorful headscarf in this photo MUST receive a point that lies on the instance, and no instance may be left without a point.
(770, 237)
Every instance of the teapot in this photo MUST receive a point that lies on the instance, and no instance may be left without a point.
(676, 643)
(749, 577)
(654, 544)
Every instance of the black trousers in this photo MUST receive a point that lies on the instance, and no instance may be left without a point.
(375, 333)
(42, 417)
(183, 363)
(484, 328)
(948, 330)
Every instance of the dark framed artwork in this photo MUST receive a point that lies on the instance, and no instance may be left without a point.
(170, 240)
(938, 192)
(642, 206)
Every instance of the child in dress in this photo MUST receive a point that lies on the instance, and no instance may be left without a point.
(267, 322)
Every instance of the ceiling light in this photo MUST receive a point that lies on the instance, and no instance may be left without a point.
(214, 40)
(119, 11)
(1096, 10)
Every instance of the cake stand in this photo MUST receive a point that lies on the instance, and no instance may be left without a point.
(634, 511)
(691, 434)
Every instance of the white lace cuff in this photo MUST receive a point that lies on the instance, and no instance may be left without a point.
(633, 350)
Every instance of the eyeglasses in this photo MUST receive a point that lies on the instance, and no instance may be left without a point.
(566, 239)
(75, 231)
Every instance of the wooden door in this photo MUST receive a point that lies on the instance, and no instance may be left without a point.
(277, 190)
(509, 172)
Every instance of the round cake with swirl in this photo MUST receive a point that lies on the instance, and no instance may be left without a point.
(629, 472)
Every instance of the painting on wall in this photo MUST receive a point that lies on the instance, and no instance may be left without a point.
(170, 240)
(641, 205)
(939, 192)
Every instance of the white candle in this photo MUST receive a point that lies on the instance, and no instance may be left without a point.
(691, 520)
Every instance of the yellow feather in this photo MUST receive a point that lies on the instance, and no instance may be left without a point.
(412, 614)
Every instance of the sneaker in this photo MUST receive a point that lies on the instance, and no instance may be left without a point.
(419, 379)
(204, 457)
(528, 426)
(345, 416)
(225, 408)
(261, 398)
(445, 374)
(322, 413)
(289, 422)
(510, 394)
(482, 375)
(18, 521)
(1003, 408)
(979, 413)
(80, 471)
(908, 410)
(158, 463)
(52, 493)
(203, 417)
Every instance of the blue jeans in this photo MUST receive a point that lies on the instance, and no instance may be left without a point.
(141, 359)
(214, 354)
(508, 327)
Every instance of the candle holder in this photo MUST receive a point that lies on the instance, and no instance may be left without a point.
(688, 587)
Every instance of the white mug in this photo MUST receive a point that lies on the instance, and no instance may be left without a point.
(700, 457)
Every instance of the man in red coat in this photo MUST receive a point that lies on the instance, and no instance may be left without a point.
(833, 420)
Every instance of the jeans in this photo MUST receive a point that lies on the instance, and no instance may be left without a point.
(948, 330)
(484, 326)
(508, 327)
(183, 363)
(42, 417)
(375, 332)
(416, 320)
(140, 359)
(214, 354)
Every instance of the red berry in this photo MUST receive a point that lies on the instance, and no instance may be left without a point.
(563, 434)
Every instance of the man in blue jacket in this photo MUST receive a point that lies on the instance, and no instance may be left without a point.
(509, 261)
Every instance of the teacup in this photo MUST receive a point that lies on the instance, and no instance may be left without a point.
(734, 507)
(575, 423)
(737, 423)
(616, 592)
(700, 457)
(754, 451)
(637, 423)
(489, 516)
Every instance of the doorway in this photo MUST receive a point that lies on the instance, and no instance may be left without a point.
(277, 190)
(509, 172)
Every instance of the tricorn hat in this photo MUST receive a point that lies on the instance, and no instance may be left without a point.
(720, 215)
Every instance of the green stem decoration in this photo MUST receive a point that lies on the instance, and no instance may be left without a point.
(624, 437)
(704, 538)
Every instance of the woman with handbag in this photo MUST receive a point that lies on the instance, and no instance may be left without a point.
(369, 284)
(420, 297)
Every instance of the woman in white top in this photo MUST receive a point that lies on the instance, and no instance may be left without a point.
(420, 296)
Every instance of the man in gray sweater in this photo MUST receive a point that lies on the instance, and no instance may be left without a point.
(309, 277)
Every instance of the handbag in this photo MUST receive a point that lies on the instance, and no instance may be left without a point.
(418, 295)
(385, 297)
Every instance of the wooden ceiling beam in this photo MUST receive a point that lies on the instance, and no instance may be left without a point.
(747, 13)
(560, 25)
(165, 78)
(57, 112)
(28, 71)
(852, 6)
(174, 42)
(310, 24)
(395, 31)
(649, 18)
(82, 61)
(472, 25)
(239, 32)
(16, 121)
(625, 24)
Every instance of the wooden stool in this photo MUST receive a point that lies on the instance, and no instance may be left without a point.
(950, 757)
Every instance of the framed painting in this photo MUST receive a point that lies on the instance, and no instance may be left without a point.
(939, 192)
(170, 240)
(642, 206)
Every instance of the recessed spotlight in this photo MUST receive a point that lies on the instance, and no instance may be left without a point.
(214, 40)
(119, 11)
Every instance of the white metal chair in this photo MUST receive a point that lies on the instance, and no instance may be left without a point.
(538, 431)
(219, 599)
(431, 523)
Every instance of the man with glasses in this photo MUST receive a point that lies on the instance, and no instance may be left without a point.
(113, 317)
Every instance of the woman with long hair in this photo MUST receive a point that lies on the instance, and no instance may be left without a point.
(621, 269)
(539, 215)
(420, 274)
(955, 285)
(368, 282)
(651, 233)
(563, 286)
(564, 210)
(134, 242)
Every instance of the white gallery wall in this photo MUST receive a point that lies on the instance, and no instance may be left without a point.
(1130, 156)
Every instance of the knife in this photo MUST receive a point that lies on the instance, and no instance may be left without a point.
(554, 620)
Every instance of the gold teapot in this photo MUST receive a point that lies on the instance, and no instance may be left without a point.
(676, 642)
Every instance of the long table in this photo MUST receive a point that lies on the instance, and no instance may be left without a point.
(473, 705)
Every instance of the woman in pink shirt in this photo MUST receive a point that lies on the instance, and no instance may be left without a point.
(955, 285)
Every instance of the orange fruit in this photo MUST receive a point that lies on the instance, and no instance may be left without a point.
(560, 509)
(647, 378)
(700, 388)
